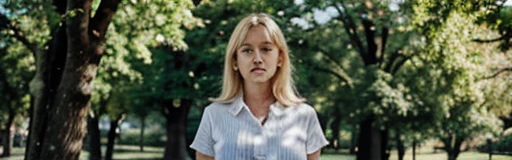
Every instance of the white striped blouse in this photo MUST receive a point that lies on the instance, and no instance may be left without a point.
(231, 132)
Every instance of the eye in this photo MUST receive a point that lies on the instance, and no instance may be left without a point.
(246, 50)
(267, 49)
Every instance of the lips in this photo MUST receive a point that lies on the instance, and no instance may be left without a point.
(258, 70)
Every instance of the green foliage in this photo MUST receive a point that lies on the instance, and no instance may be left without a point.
(454, 67)
(151, 138)
(504, 144)
(16, 70)
(136, 28)
(430, 79)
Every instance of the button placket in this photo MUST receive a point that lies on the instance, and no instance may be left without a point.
(260, 145)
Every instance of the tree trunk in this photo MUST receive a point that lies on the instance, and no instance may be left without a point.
(94, 138)
(364, 142)
(335, 127)
(30, 123)
(453, 149)
(323, 119)
(44, 85)
(8, 137)
(376, 144)
(370, 141)
(400, 146)
(112, 134)
(176, 146)
(63, 81)
(142, 127)
(43, 92)
(94, 130)
(384, 144)
(507, 121)
(414, 149)
(353, 140)
(452, 155)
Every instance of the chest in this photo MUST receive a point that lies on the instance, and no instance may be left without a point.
(242, 137)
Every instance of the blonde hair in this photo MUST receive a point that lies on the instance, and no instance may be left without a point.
(282, 86)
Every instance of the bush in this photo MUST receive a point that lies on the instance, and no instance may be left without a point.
(505, 143)
(151, 138)
(502, 144)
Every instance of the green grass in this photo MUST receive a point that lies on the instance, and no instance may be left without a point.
(123, 152)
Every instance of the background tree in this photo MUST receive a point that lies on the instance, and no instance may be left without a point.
(15, 72)
(397, 71)
(53, 101)
(16, 67)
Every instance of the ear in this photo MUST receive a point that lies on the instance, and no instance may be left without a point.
(280, 59)
(234, 58)
(235, 67)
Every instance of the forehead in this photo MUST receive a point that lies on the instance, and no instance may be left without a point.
(257, 35)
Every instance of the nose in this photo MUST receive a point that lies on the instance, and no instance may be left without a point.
(257, 57)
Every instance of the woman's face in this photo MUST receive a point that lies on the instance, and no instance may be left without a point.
(257, 58)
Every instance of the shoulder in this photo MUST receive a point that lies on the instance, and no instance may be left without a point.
(303, 109)
(306, 107)
(217, 108)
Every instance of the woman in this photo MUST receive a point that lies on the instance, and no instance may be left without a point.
(258, 114)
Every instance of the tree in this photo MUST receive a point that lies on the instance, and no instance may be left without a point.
(380, 94)
(456, 72)
(498, 18)
(62, 95)
(368, 26)
(16, 69)
(66, 67)
(13, 91)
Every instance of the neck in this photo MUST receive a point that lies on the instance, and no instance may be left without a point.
(258, 98)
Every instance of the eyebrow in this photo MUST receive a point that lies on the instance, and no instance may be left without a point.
(247, 44)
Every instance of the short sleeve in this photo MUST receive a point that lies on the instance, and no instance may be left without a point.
(315, 138)
(203, 142)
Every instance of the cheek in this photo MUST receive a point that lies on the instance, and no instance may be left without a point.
(242, 62)
(275, 59)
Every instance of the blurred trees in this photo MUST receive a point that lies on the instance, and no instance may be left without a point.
(16, 69)
(391, 35)
(67, 64)
(17, 63)
(136, 29)
(394, 72)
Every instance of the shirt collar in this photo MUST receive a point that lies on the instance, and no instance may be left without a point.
(238, 104)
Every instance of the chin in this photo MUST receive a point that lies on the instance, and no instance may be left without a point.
(260, 80)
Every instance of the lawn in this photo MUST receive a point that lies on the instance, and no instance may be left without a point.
(152, 153)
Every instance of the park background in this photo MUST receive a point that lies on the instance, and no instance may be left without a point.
(129, 79)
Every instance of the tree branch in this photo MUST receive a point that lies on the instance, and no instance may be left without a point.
(196, 2)
(342, 73)
(384, 38)
(6, 23)
(340, 70)
(99, 23)
(334, 74)
(400, 63)
(371, 50)
(490, 40)
(351, 29)
(387, 66)
(507, 69)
